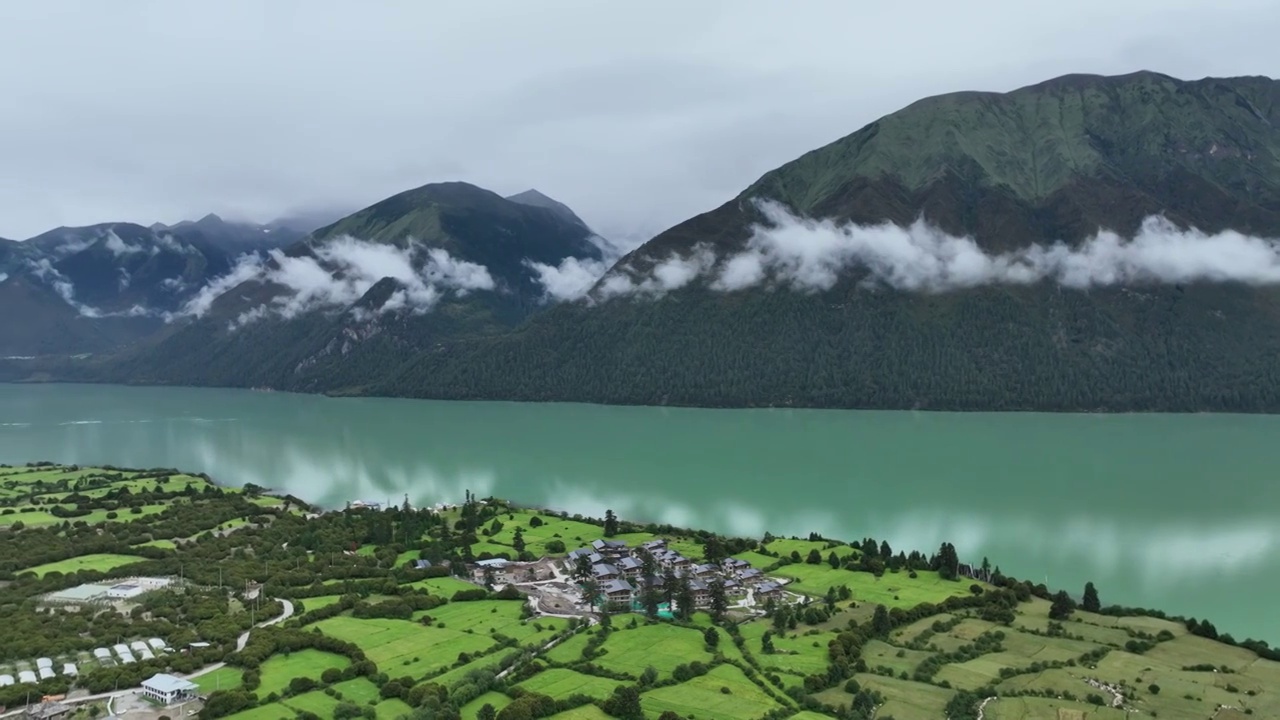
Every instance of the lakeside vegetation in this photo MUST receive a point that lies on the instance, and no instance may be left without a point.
(866, 631)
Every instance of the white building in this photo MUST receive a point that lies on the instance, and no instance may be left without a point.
(69, 669)
(146, 654)
(156, 644)
(6, 680)
(102, 653)
(44, 663)
(166, 689)
(26, 676)
(124, 591)
(46, 673)
(137, 646)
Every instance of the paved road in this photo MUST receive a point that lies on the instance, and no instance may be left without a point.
(244, 638)
(240, 643)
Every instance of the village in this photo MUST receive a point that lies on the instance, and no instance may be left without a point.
(615, 570)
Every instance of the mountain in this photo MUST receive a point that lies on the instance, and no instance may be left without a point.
(362, 295)
(537, 199)
(39, 322)
(1051, 162)
(233, 237)
(91, 289)
(946, 256)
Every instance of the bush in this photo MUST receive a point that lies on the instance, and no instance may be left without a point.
(1154, 689)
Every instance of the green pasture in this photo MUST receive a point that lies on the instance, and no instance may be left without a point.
(278, 670)
(402, 647)
(95, 561)
(662, 646)
(703, 697)
(560, 683)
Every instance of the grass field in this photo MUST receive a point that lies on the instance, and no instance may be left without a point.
(661, 646)
(278, 670)
(444, 586)
(401, 647)
(703, 697)
(224, 678)
(561, 683)
(97, 561)
(891, 589)
(484, 617)
(496, 699)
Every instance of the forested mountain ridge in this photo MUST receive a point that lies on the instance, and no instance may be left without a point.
(987, 184)
(1051, 162)
(457, 262)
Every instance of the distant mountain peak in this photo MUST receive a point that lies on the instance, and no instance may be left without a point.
(536, 198)
(209, 219)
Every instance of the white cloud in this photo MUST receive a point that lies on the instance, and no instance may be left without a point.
(671, 273)
(247, 267)
(571, 279)
(341, 272)
(811, 255)
(3, 277)
(119, 247)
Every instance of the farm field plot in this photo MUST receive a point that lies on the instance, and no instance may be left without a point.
(757, 560)
(278, 670)
(561, 683)
(224, 678)
(95, 561)
(702, 697)
(891, 590)
(483, 617)
(586, 712)
(904, 700)
(496, 699)
(662, 646)
(784, 547)
(569, 650)
(795, 653)
(444, 586)
(400, 647)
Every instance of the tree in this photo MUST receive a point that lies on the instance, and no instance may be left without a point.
(624, 703)
(517, 541)
(610, 523)
(713, 549)
(591, 592)
(833, 560)
(712, 638)
(766, 642)
(886, 552)
(946, 562)
(881, 626)
(1062, 606)
(581, 568)
(815, 557)
(684, 599)
(719, 603)
(1090, 601)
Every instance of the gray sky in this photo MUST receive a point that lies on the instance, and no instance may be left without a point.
(637, 115)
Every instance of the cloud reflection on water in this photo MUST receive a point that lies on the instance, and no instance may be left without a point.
(1170, 556)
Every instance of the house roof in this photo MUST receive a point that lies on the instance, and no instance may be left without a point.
(165, 683)
(422, 564)
(493, 562)
(614, 586)
(574, 555)
(629, 563)
(768, 587)
(604, 569)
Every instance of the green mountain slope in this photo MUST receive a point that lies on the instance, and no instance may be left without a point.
(1051, 162)
(1054, 161)
(346, 348)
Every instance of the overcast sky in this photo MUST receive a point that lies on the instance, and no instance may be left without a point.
(637, 115)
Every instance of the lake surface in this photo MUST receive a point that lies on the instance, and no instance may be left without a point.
(1178, 512)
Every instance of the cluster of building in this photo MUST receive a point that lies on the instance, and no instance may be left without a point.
(100, 594)
(44, 671)
(618, 568)
(128, 654)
